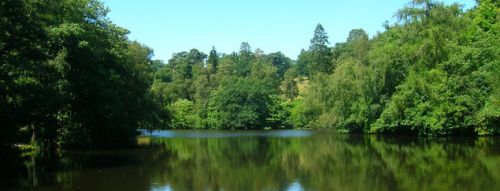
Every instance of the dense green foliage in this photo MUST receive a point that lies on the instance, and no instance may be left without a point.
(435, 72)
(236, 91)
(70, 77)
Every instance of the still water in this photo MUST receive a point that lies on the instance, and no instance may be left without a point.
(267, 160)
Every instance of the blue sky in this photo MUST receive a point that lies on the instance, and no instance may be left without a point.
(169, 26)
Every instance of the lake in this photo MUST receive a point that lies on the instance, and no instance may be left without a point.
(266, 160)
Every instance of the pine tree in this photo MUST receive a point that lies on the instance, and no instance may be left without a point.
(320, 52)
(213, 59)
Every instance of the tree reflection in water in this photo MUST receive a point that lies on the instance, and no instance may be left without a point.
(321, 161)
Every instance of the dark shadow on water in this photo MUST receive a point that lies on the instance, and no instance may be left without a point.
(266, 160)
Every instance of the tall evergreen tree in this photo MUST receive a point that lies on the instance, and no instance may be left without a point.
(321, 54)
(213, 59)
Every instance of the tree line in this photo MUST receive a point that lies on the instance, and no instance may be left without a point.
(69, 77)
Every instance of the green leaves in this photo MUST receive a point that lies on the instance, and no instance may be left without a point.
(240, 103)
(72, 77)
(235, 91)
(321, 54)
(425, 75)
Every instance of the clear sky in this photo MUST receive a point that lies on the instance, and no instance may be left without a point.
(169, 26)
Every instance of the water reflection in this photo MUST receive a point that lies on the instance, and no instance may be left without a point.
(272, 160)
(225, 134)
(295, 186)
